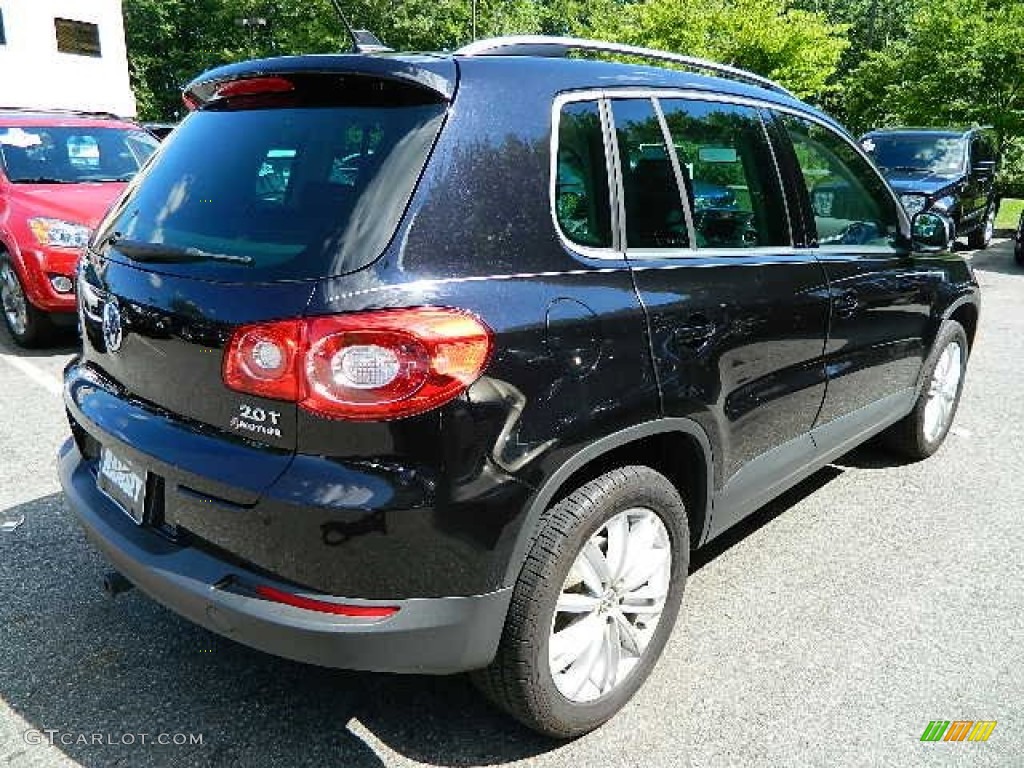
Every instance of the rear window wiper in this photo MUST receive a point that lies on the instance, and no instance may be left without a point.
(159, 252)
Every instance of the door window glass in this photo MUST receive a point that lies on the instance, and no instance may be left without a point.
(851, 203)
(654, 208)
(581, 182)
(732, 182)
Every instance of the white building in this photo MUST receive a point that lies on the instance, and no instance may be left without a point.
(64, 54)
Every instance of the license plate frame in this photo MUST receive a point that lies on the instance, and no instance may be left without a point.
(123, 482)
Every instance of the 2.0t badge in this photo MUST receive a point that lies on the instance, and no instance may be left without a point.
(113, 331)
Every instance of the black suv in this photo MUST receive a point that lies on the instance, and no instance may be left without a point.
(948, 171)
(431, 363)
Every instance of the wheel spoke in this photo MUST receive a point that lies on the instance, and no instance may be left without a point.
(638, 552)
(645, 569)
(579, 671)
(630, 638)
(573, 602)
(613, 656)
(618, 544)
(593, 567)
(567, 645)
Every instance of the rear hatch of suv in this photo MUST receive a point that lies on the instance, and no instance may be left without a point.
(287, 171)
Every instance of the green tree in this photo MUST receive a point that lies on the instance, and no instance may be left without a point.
(172, 41)
(961, 62)
(798, 48)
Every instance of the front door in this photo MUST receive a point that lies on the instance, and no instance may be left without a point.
(880, 295)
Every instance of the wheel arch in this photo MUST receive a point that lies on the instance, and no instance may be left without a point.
(679, 448)
(965, 312)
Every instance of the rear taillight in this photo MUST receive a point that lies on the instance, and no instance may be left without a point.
(383, 364)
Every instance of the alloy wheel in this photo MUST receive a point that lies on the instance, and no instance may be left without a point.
(942, 392)
(610, 605)
(12, 298)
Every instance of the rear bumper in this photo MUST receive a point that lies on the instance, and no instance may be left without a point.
(427, 635)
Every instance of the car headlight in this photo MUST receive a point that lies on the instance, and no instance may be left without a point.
(59, 233)
(913, 203)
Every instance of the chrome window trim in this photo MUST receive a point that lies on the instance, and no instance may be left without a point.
(619, 189)
(691, 230)
(619, 250)
(701, 95)
(614, 170)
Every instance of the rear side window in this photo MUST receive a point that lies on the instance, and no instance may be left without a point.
(732, 182)
(581, 179)
(295, 193)
(654, 207)
(850, 202)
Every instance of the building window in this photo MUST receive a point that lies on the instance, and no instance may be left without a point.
(78, 37)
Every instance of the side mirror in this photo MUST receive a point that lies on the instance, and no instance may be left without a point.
(931, 232)
(984, 167)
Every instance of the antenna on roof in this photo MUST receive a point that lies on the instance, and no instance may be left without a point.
(363, 41)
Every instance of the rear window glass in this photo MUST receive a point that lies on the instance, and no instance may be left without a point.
(294, 193)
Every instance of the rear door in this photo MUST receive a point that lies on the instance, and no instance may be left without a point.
(880, 295)
(737, 314)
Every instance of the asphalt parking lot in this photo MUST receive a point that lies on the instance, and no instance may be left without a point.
(828, 630)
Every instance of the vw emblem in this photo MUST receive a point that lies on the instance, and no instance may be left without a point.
(113, 331)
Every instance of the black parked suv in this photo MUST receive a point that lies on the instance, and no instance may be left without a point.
(944, 170)
(436, 365)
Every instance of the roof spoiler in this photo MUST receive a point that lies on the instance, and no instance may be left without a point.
(433, 73)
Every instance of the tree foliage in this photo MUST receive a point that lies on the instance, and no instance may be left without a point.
(171, 41)
(961, 62)
(872, 62)
(798, 48)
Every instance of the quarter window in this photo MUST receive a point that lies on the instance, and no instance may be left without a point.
(850, 202)
(3, 34)
(731, 179)
(581, 181)
(654, 208)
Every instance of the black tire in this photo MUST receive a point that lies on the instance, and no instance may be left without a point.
(519, 680)
(981, 237)
(38, 329)
(908, 437)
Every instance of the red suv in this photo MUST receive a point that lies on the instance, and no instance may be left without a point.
(58, 174)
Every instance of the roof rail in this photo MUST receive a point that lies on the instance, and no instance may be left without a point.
(61, 111)
(542, 45)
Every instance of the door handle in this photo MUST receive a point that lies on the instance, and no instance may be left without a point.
(846, 303)
(696, 331)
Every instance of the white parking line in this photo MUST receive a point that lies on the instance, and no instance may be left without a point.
(37, 375)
